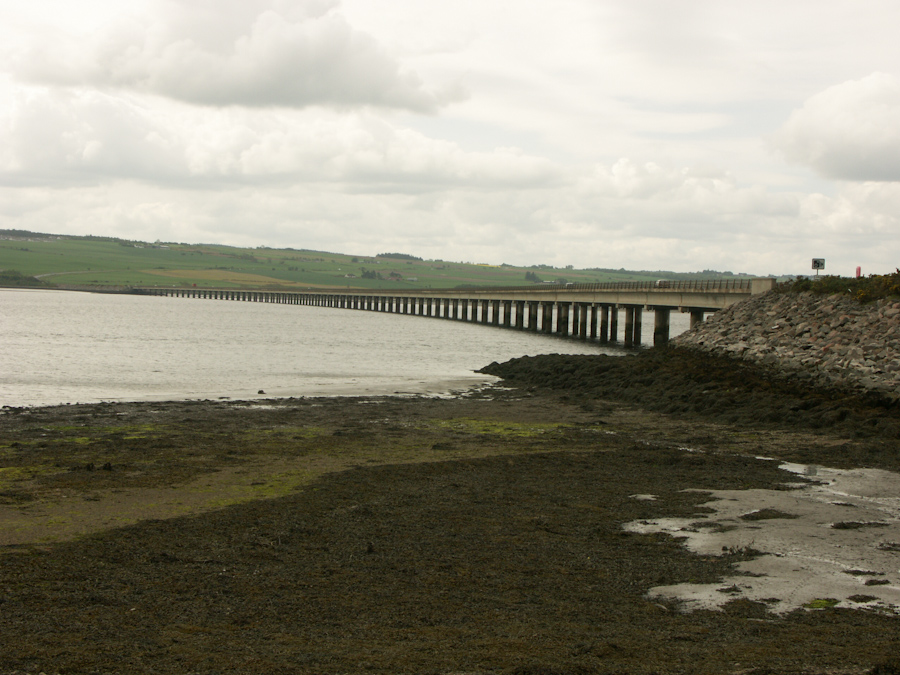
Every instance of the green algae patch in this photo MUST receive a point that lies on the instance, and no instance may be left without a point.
(821, 603)
(269, 486)
(15, 474)
(496, 428)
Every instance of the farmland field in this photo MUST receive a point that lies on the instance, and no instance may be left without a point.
(79, 261)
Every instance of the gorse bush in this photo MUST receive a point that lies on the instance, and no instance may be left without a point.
(16, 278)
(864, 289)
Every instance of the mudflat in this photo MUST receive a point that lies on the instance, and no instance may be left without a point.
(519, 529)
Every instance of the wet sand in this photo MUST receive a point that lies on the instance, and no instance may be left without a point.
(534, 528)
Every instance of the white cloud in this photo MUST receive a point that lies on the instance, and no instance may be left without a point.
(69, 138)
(293, 53)
(849, 132)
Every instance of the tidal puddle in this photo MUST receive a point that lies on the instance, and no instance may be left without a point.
(832, 539)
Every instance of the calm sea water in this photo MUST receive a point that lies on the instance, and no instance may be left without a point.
(69, 347)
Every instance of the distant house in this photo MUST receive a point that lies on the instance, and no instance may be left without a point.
(350, 276)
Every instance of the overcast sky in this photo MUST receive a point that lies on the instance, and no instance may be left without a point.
(648, 134)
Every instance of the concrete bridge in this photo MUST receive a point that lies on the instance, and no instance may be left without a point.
(588, 311)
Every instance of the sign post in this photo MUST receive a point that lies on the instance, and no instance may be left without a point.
(818, 264)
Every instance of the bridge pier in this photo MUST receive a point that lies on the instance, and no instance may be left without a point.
(562, 318)
(594, 321)
(638, 320)
(604, 323)
(546, 317)
(696, 316)
(613, 323)
(520, 314)
(661, 326)
(583, 310)
(628, 338)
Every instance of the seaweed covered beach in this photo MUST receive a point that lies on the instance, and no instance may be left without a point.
(487, 533)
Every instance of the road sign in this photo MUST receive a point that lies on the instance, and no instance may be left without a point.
(818, 263)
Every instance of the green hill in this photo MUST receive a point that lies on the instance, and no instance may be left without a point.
(32, 258)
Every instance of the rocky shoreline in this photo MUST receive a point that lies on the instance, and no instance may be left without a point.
(829, 340)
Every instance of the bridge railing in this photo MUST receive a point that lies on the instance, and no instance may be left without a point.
(702, 285)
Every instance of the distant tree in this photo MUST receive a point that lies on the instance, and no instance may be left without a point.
(398, 256)
(532, 277)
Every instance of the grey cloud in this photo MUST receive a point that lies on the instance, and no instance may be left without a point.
(848, 132)
(254, 53)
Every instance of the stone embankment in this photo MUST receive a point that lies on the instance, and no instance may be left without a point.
(832, 340)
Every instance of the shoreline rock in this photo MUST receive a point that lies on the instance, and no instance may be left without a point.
(831, 340)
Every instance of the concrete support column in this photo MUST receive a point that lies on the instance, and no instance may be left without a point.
(533, 311)
(583, 320)
(661, 326)
(546, 317)
(638, 320)
(696, 317)
(495, 312)
(446, 308)
(507, 313)
(613, 323)
(520, 314)
(464, 303)
(629, 326)
(594, 309)
(562, 318)
(454, 309)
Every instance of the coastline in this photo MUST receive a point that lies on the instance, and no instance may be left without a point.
(483, 533)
